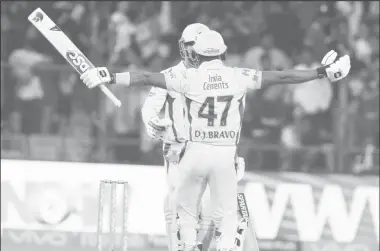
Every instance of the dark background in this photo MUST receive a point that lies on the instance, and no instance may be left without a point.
(46, 114)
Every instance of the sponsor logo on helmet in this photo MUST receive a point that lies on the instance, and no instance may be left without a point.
(211, 51)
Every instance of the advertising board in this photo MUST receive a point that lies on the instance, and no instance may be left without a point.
(54, 204)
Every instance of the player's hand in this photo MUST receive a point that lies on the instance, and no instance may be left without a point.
(97, 76)
(240, 168)
(337, 70)
(157, 128)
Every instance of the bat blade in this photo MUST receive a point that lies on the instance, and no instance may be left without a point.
(65, 47)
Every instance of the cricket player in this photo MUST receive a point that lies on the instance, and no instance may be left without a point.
(170, 130)
(214, 97)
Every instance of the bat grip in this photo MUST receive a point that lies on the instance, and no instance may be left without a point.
(110, 95)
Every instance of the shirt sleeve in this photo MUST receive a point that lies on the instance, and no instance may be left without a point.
(153, 104)
(174, 81)
(250, 78)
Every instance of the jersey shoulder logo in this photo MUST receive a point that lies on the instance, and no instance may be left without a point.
(170, 73)
(245, 71)
(255, 75)
(151, 93)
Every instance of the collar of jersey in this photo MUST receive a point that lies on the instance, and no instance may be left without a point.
(216, 62)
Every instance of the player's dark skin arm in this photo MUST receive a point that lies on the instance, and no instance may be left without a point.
(141, 78)
(291, 76)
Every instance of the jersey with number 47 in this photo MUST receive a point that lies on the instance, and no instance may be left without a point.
(214, 100)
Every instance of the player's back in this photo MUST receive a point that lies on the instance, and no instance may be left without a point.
(215, 99)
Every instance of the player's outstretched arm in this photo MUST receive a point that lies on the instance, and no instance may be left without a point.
(141, 79)
(102, 76)
(333, 71)
(288, 76)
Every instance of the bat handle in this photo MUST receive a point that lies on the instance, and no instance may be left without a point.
(110, 95)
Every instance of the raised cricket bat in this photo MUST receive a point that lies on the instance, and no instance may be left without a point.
(65, 47)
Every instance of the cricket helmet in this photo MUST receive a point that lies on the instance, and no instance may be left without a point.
(187, 40)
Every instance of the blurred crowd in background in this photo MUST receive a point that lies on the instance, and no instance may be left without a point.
(46, 113)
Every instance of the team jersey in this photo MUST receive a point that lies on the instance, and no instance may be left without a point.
(174, 110)
(214, 100)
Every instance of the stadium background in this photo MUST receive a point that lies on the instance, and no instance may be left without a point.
(317, 133)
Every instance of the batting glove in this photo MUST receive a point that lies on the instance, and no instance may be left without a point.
(240, 168)
(334, 71)
(157, 128)
(97, 76)
(329, 58)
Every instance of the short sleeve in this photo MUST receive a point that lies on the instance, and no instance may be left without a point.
(174, 81)
(250, 78)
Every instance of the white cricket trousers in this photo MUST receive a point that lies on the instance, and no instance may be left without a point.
(172, 156)
(206, 226)
(204, 164)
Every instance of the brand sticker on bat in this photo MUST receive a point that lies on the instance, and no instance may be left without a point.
(55, 28)
(242, 205)
(38, 17)
(78, 61)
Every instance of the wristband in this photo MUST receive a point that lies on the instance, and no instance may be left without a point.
(113, 79)
(123, 78)
(321, 71)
